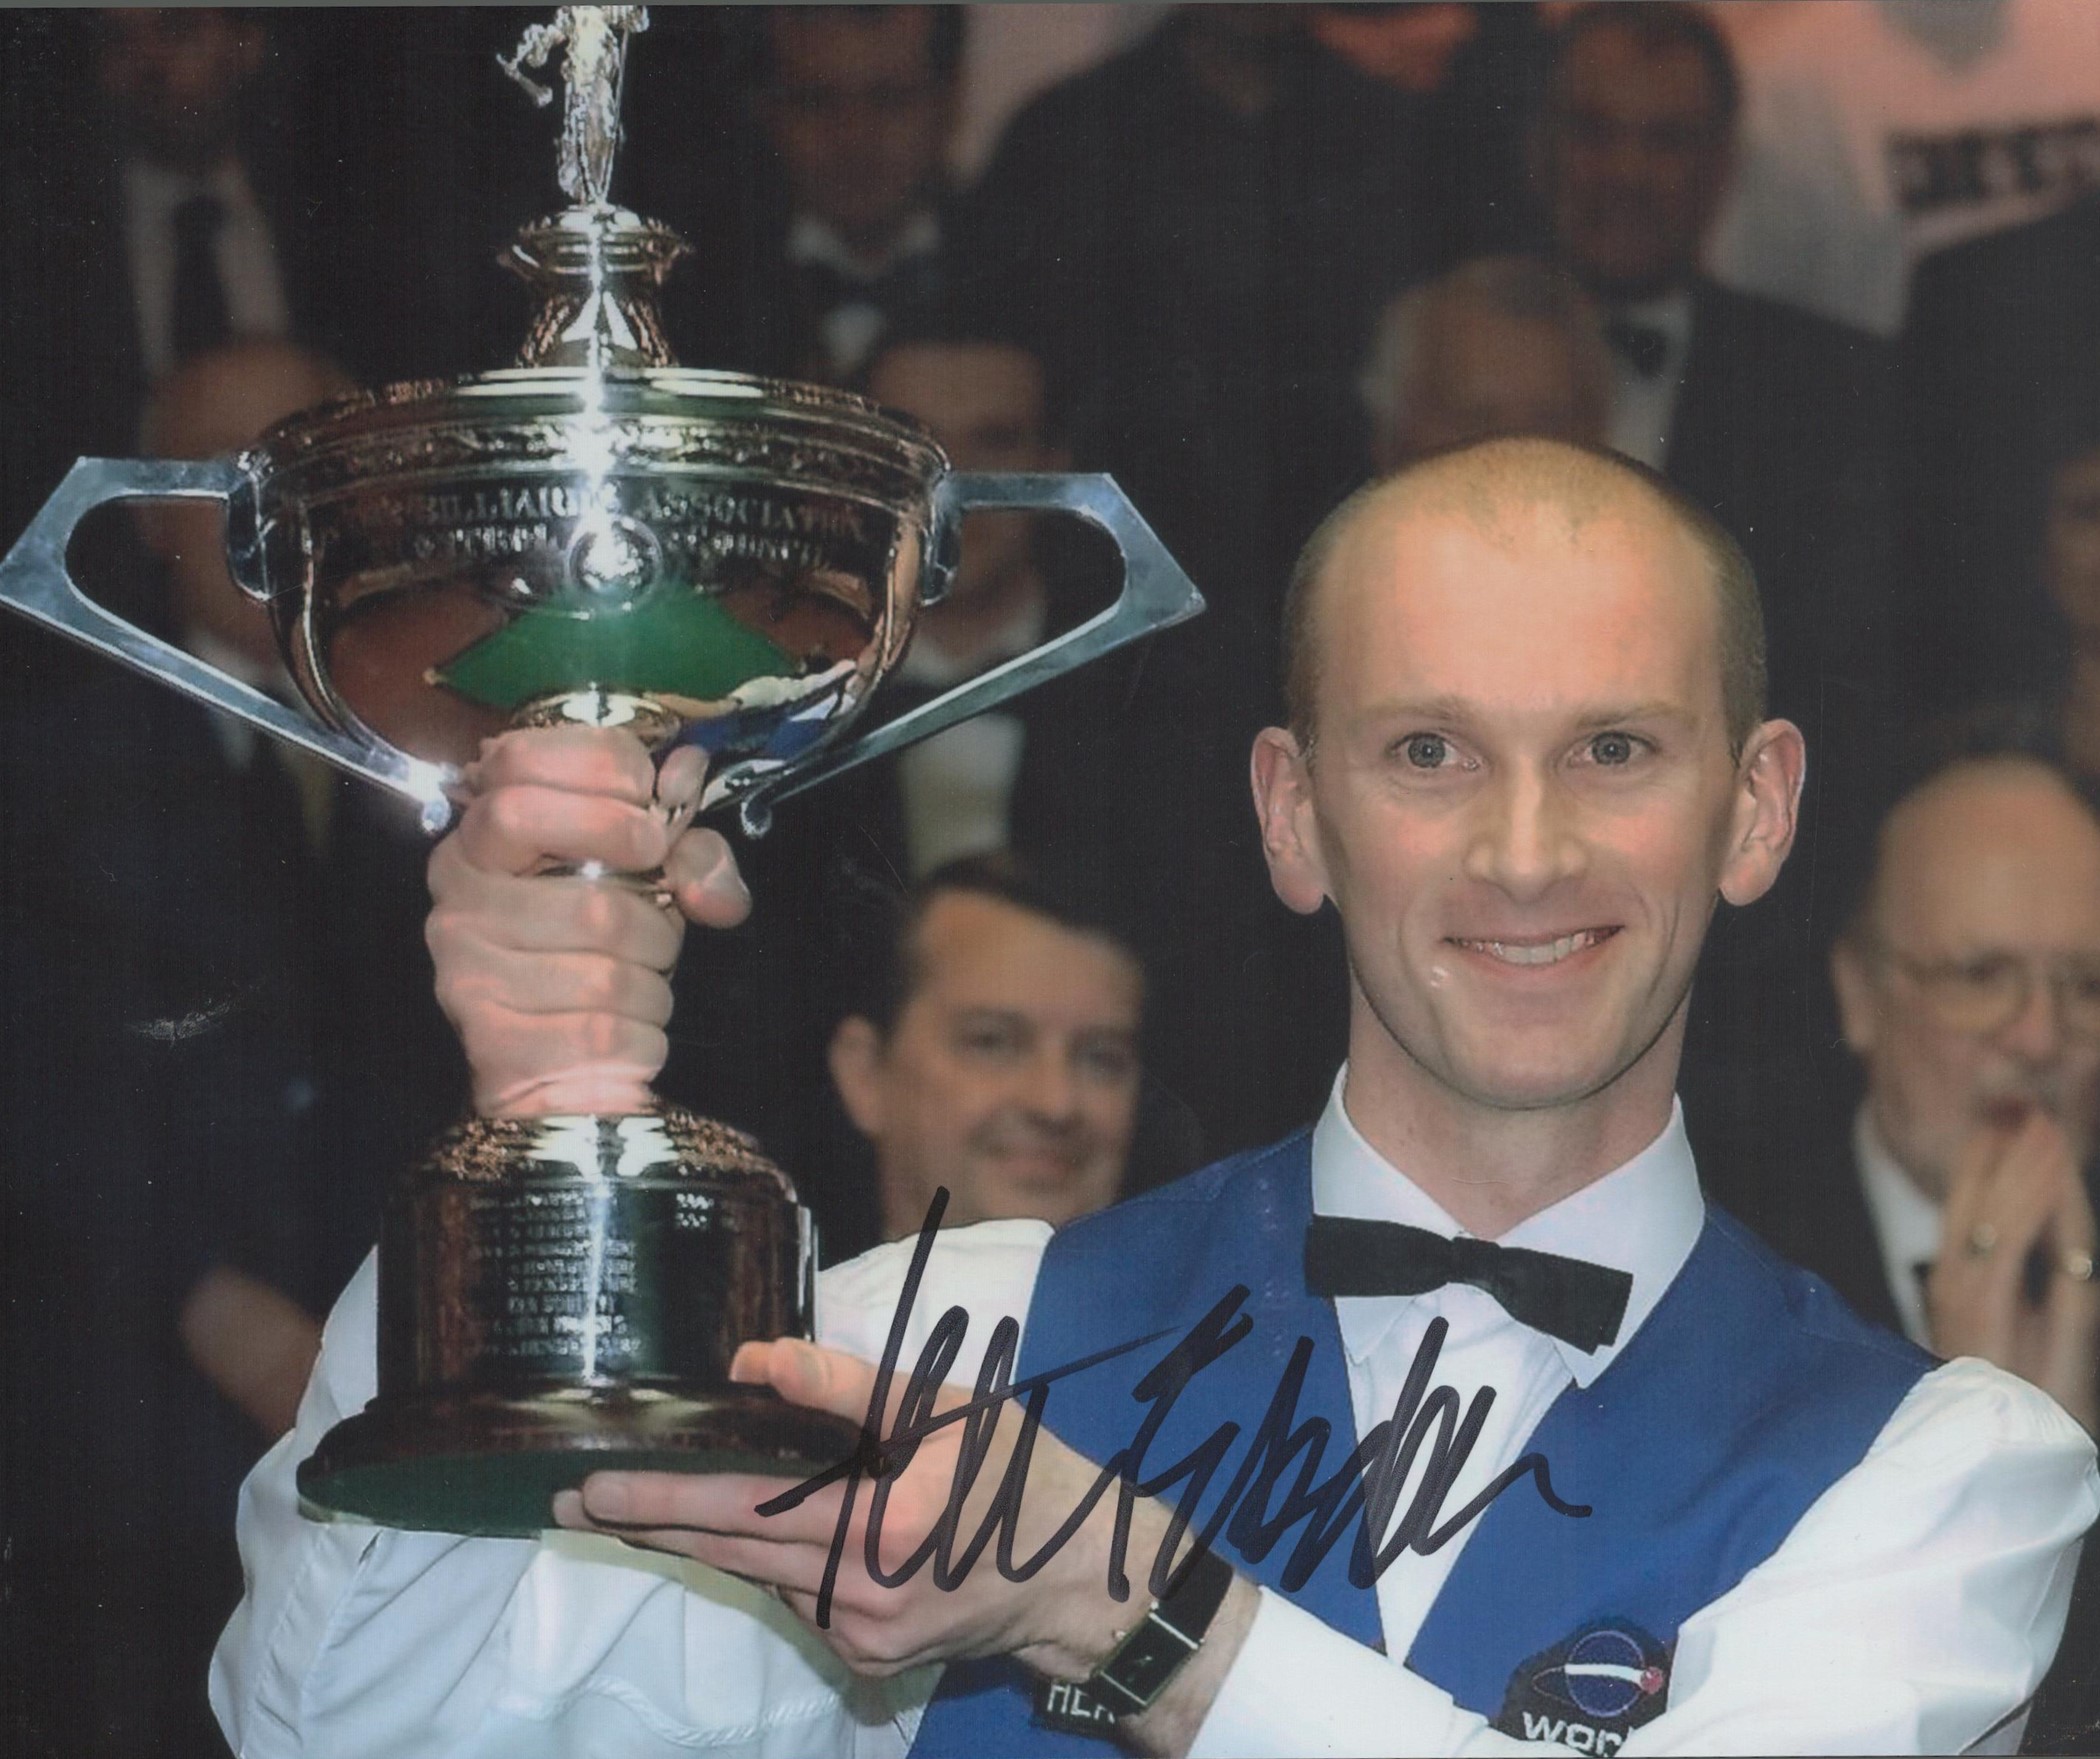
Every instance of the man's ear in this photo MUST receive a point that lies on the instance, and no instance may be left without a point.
(1767, 810)
(856, 1071)
(1290, 835)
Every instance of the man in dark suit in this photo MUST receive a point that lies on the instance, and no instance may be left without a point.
(1949, 1204)
(1204, 229)
(174, 180)
(1004, 779)
(2001, 372)
(1774, 421)
(849, 217)
(216, 1042)
(1044, 777)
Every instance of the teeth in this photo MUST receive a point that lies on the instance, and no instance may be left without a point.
(1545, 953)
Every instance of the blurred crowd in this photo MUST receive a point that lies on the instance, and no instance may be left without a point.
(1830, 268)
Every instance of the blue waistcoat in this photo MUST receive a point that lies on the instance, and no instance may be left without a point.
(1748, 1391)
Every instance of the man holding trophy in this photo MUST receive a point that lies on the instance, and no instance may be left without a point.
(1612, 1477)
(1798, 1533)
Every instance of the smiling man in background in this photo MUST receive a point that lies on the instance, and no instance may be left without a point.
(996, 1055)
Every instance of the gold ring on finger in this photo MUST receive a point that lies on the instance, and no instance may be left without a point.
(2076, 1265)
(1982, 1238)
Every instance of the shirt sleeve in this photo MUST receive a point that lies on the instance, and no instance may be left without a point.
(1913, 1609)
(370, 1643)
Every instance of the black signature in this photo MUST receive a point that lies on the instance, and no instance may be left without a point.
(1363, 1491)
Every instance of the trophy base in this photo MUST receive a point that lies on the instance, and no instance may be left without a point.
(490, 1466)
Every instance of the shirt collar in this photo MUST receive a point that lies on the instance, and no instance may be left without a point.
(1643, 1218)
(1670, 313)
(1907, 1223)
(157, 189)
(815, 242)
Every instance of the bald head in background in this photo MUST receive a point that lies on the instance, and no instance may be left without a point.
(1990, 867)
(1497, 346)
(217, 403)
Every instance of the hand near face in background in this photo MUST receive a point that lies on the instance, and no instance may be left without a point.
(2014, 1279)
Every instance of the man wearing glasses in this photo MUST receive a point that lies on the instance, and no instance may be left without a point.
(1968, 985)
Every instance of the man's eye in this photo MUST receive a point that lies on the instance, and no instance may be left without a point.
(989, 1041)
(1426, 751)
(1109, 1062)
(1613, 748)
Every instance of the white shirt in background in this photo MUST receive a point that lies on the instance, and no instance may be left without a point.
(849, 330)
(1877, 131)
(248, 267)
(1644, 405)
(958, 786)
(1906, 1222)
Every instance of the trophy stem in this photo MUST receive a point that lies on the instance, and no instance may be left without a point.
(561, 1295)
(594, 272)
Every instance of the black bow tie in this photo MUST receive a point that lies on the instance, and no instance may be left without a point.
(1579, 1303)
(1644, 347)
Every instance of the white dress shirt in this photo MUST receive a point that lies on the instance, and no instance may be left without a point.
(248, 268)
(1906, 1222)
(1874, 135)
(1643, 405)
(958, 786)
(1913, 1609)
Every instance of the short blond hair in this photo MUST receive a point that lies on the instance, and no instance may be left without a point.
(1552, 468)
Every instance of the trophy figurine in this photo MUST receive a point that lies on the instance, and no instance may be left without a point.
(593, 536)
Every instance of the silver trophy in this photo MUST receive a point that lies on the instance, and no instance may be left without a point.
(595, 536)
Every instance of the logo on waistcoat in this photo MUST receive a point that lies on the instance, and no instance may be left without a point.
(1590, 1692)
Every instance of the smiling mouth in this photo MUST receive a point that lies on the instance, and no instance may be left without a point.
(1539, 952)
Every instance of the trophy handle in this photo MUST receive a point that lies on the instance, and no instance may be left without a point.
(1156, 595)
(34, 580)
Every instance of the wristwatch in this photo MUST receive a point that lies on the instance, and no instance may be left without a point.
(1144, 1663)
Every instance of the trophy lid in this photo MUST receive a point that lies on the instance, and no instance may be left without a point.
(596, 534)
(596, 344)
